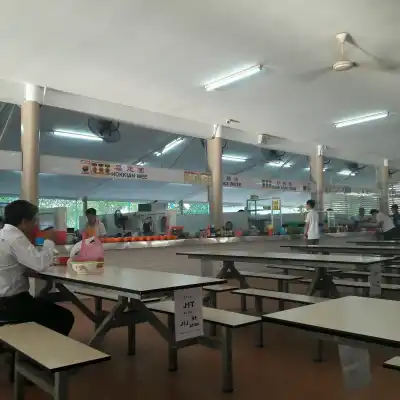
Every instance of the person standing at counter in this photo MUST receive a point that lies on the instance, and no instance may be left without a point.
(385, 224)
(311, 230)
(93, 227)
(17, 255)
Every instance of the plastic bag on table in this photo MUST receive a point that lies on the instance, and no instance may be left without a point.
(89, 249)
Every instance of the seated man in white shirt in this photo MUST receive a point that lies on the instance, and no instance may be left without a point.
(17, 255)
(385, 224)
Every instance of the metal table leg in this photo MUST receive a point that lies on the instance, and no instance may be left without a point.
(61, 386)
(322, 281)
(226, 352)
(282, 287)
(260, 333)
(172, 350)
(19, 381)
(131, 334)
(213, 304)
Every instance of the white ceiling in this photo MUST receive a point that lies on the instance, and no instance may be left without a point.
(152, 55)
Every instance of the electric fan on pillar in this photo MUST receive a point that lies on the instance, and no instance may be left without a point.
(120, 221)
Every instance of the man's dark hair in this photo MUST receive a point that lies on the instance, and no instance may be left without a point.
(311, 203)
(374, 211)
(394, 207)
(91, 211)
(19, 210)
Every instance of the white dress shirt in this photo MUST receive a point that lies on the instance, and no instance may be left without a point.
(16, 254)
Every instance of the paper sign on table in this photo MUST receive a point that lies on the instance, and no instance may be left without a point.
(356, 367)
(375, 280)
(188, 313)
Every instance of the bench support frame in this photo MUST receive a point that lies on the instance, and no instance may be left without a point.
(55, 384)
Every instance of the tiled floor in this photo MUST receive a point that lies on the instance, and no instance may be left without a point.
(282, 370)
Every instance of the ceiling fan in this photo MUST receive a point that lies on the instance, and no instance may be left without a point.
(345, 64)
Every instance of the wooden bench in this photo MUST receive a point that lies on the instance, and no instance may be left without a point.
(366, 274)
(282, 279)
(260, 294)
(359, 285)
(213, 290)
(283, 282)
(393, 363)
(226, 320)
(45, 357)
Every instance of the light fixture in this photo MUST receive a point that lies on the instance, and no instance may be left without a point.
(282, 164)
(361, 119)
(308, 169)
(346, 172)
(169, 146)
(77, 135)
(232, 78)
(140, 163)
(234, 158)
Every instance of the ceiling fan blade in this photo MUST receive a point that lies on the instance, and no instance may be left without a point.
(379, 63)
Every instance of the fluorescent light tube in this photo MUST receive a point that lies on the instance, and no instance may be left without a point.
(232, 78)
(234, 158)
(279, 164)
(361, 119)
(346, 172)
(140, 163)
(169, 146)
(76, 135)
(308, 169)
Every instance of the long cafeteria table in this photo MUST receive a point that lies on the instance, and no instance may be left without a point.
(131, 287)
(375, 242)
(352, 321)
(388, 251)
(321, 281)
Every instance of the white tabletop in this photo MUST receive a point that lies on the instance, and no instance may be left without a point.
(358, 318)
(375, 242)
(129, 280)
(312, 258)
(379, 250)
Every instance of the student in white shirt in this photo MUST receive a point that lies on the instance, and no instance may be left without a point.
(385, 224)
(17, 255)
(311, 231)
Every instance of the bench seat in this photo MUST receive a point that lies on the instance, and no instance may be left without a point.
(267, 275)
(393, 363)
(220, 288)
(56, 353)
(366, 274)
(354, 284)
(227, 320)
(283, 296)
(223, 318)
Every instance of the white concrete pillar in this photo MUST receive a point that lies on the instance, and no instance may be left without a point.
(214, 161)
(30, 139)
(382, 180)
(317, 178)
(181, 207)
(84, 204)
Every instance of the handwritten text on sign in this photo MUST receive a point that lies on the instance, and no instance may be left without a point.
(188, 314)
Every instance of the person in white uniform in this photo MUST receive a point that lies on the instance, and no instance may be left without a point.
(17, 256)
(311, 230)
(385, 224)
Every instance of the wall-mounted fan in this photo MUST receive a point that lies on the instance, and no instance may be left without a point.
(120, 220)
(355, 168)
(272, 155)
(106, 129)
